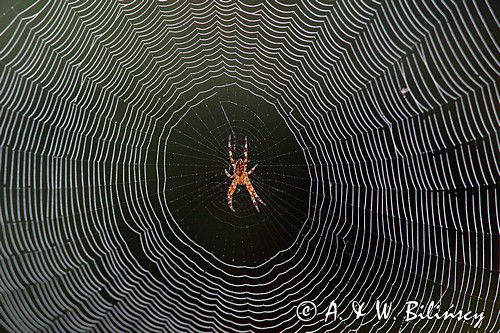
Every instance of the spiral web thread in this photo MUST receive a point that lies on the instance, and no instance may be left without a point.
(394, 104)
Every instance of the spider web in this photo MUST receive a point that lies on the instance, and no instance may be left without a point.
(196, 183)
(374, 125)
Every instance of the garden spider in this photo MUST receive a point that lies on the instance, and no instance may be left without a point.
(240, 176)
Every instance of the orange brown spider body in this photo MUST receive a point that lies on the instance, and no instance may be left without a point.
(240, 176)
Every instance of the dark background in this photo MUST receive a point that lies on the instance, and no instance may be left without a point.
(197, 185)
(379, 234)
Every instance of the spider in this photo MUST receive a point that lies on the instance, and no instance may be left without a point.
(240, 176)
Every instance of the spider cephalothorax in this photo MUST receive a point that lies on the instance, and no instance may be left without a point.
(240, 176)
(239, 169)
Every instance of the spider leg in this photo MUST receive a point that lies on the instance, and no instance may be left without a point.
(230, 149)
(252, 169)
(256, 195)
(245, 152)
(228, 175)
(230, 192)
(253, 194)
